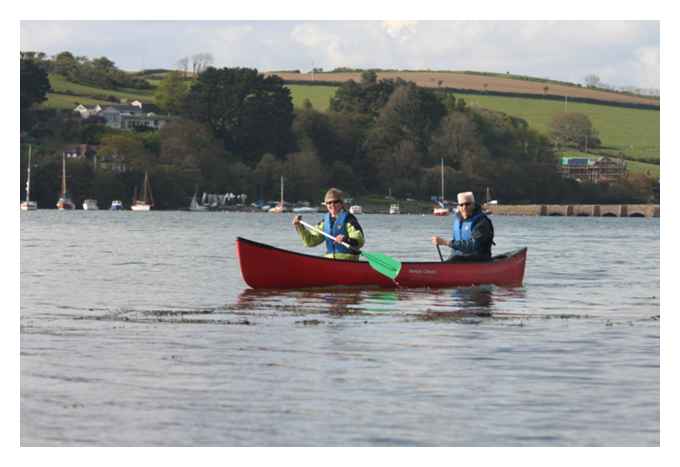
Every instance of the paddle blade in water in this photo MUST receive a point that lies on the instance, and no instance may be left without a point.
(385, 265)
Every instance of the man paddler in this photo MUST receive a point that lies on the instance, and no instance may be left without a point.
(337, 223)
(472, 232)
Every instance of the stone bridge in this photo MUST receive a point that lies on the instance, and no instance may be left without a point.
(582, 210)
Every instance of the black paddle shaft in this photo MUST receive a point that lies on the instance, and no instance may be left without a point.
(441, 258)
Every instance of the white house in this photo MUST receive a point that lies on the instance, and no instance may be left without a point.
(129, 117)
(86, 111)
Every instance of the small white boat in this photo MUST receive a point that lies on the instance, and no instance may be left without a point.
(277, 209)
(441, 211)
(116, 205)
(195, 205)
(28, 205)
(356, 209)
(281, 206)
(145, 203)
(394, 209)
(90, 205)
(304, 209)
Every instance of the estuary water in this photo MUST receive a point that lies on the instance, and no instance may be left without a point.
(138, 330)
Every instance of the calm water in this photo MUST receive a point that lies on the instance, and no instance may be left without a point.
(137, 329)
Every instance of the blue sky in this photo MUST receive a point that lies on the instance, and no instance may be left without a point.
(621, 53)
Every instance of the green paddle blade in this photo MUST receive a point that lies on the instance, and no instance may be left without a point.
(385, 265)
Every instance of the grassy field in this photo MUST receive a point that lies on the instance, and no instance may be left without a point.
(60, 86)
(478, 82)
(319, 96)
(64, 102)
(635, 132)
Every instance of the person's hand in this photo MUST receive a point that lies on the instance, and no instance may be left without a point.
(438, 241)
(296, 220)
(340, 238)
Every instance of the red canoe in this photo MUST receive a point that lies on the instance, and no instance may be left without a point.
(267, 267)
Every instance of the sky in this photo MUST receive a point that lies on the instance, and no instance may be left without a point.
(620, 53)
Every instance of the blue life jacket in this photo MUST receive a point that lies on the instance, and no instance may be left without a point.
(334, 229)
(462, 228)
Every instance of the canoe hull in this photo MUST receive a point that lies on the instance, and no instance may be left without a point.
(267, 267)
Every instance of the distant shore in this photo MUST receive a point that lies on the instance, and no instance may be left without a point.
(577, 210)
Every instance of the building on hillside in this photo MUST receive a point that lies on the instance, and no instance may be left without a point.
(126, 116)
(130, 117)
(112, 162)
(87, 111)
(604, 169)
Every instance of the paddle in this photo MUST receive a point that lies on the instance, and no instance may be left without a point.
(385, 265)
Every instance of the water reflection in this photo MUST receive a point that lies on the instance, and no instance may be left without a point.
(483, 301)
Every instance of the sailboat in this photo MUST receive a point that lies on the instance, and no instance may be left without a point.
(441, 210)
(146, 202)
(28, 205)
(195, 205)
(279, 208)
(65, 200)
(489, 202)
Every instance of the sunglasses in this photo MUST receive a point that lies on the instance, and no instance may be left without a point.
(335, 201)
(464, 204)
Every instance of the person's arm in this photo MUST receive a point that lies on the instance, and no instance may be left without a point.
(355, 234)
(309, 237)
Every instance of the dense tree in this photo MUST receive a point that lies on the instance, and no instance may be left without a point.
(574, 129)
(455, 140)
(366, 97)
(251, 113)
(129, 148)
(402, 133)
(171, 92)
(304, 176)
(190, 146)
(34, 84)
(267, 174)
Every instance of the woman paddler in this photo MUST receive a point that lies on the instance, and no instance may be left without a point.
(338, 223)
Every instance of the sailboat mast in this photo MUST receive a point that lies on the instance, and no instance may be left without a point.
(442, 179)
(63, 175)
(28, 176)
(281, 190)
(146, 182)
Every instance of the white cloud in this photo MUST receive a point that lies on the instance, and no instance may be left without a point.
(400, 30)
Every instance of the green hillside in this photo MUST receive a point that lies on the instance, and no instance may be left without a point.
(66, 94)
(633, 132)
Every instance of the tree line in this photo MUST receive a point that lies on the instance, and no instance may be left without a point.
(236, 130)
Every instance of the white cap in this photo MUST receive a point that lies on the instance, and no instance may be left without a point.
(466, 197)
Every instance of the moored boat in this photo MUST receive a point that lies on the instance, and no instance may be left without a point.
(90, 205)
(117, 205)
(442, 209)
(394, 209)
(28, 205)
(64, 202)
(356, 209)
(195, 205)
(304, 209)
(281, 206)
(146, 202)
(267, 267)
